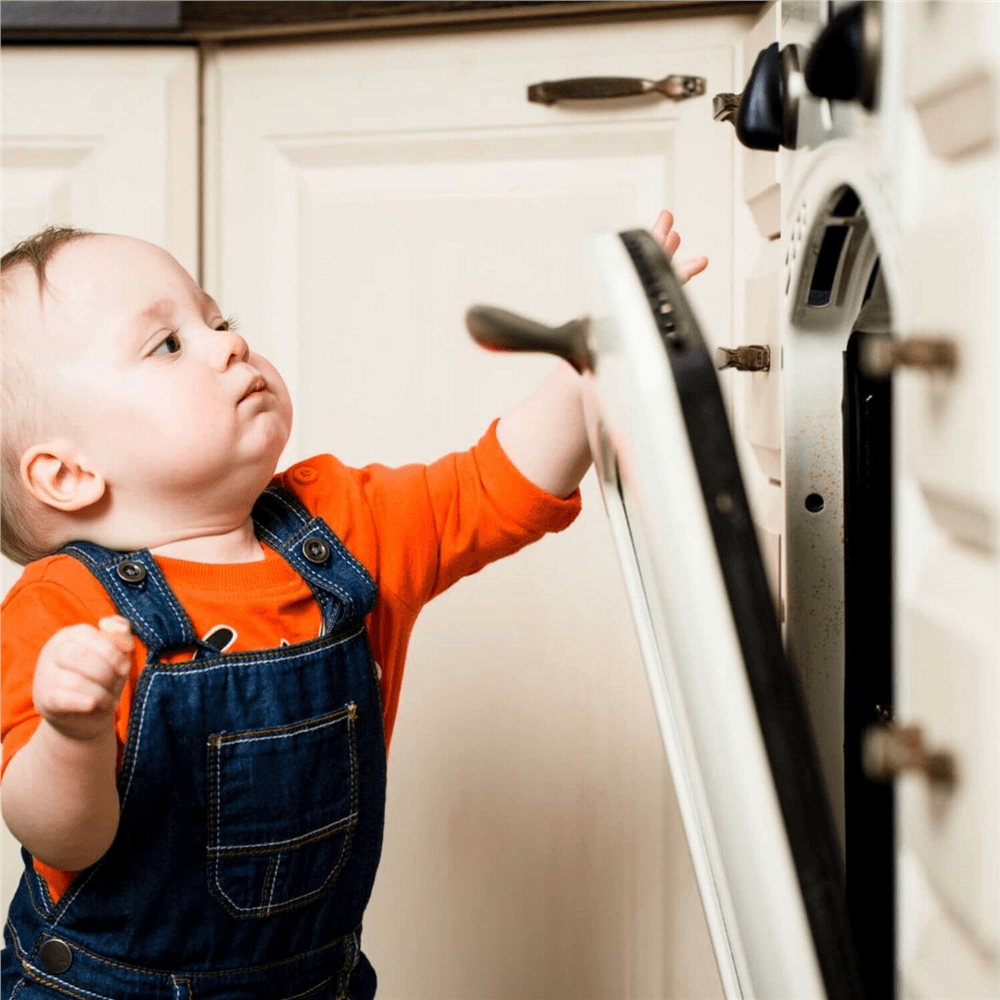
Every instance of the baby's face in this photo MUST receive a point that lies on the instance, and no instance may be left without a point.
(165, 400)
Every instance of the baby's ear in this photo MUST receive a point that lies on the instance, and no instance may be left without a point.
(57, 476)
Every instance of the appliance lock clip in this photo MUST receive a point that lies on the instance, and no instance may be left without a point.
(752, 358)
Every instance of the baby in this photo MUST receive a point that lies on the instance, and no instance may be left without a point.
(202, 659)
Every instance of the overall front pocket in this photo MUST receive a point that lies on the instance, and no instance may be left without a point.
(282, 808)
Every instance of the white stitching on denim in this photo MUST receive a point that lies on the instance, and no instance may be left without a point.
(62, 987)
(347, 840)
(215, 832)
(78, 884)
(138, 739)
(91, 562)
(315, 574)
(306, 525)
(292, 508)
(270, 535)
(346, 821)
(17, 941)
(108, 567)
(361, 571)
(46, 900)
(274, 882)
(135, 612)
(231, 661)
(349, 713)
(73, 891)
(310, 524)
(22, 957)
(177, 984)
(289, 903)
(345, 713)
(218, 796)
(164, 588)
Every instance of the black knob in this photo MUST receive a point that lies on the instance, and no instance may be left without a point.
(844, 61)
(760, 115)
(766, 114)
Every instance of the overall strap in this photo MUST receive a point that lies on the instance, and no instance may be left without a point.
(344, 589)
(141, 594)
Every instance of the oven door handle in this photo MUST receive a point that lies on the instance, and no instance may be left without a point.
(500, 330)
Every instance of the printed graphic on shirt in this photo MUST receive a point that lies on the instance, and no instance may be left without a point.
(221, 637)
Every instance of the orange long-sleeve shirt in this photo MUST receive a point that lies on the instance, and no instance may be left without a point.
(416, 529)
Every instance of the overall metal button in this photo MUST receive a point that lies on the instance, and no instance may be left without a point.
(55, 956)
(316, 550)
(131, 571)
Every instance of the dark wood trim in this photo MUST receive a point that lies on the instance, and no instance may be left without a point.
(163, 21)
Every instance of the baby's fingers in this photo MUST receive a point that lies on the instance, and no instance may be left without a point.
(96, 655)
(665, 236)
(687, 270)
(118, 630)
(664, 223)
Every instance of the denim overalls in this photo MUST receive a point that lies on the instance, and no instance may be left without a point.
(252, 793)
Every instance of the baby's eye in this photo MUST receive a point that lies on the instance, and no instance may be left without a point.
(169, 345)
(227, 324)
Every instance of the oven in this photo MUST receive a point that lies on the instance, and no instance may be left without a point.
(826, 782)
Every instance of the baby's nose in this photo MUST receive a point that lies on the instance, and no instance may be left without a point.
(232, 347)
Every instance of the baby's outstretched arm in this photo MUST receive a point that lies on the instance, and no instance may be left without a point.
(59, 794)
(545, 435)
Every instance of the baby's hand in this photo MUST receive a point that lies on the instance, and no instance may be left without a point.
(670, 240)
(80, 674)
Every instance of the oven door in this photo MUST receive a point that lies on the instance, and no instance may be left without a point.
(729, 704)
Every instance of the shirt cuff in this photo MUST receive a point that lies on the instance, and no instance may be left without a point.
(529, 505)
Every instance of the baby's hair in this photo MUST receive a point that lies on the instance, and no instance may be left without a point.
(18, 539)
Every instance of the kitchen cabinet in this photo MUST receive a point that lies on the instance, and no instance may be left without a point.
(355, 197)
(359, 197)
(105, 139)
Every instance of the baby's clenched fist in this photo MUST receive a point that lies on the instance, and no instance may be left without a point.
(80, 674)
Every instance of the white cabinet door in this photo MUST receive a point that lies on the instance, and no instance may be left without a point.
(103, 139)
(361, 195)
(948, 440)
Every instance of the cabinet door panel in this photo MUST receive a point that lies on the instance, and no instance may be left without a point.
(103, 139)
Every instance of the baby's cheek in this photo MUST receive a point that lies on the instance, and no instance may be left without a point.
(273, 378)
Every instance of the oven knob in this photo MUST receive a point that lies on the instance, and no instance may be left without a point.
(766, 114)
(843, 62)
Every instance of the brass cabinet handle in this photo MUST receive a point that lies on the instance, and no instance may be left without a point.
(599, 88)
(931, 354)
(889, 749)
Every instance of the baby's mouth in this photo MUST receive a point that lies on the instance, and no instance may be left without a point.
(257, 384)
